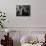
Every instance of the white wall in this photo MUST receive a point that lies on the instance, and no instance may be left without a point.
(38, 13)
(35, 22)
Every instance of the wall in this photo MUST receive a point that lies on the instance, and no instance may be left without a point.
(35, 22)
(37, 18)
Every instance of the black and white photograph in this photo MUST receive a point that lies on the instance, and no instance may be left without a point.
(22, 10)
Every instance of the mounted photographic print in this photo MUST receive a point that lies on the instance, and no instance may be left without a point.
(23, 10)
